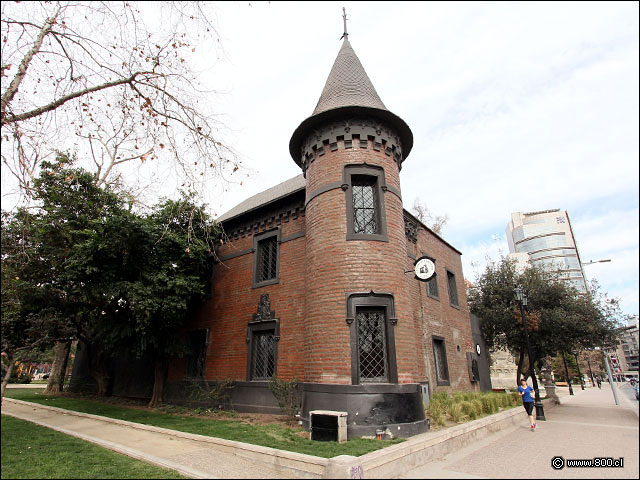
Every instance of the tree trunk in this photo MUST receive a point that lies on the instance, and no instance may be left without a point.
(98, 368)
(160, 377)
(7, 375)
(519, 370)
(59, 368)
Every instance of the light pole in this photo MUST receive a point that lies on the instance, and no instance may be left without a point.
(604, 354)
(521, 297)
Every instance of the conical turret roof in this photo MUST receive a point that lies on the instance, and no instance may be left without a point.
(348, 84)
(347, 91)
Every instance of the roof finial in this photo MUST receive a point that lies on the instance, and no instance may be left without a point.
(345, 35)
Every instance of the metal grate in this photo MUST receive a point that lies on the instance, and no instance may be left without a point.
(267, 259)
(264, 355)
(372, 345)
(453, 291)
(364, 206)
(432, 287)
(439, 352)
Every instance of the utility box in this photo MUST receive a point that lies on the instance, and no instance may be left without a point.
(328, 426)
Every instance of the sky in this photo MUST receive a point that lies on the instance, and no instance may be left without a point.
(513, 107)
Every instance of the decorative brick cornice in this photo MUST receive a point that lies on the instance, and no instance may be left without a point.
(410, 228)
(354, 132)
(254, 224)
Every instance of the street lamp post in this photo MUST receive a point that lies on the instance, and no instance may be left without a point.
(579, 373)
(521, 297)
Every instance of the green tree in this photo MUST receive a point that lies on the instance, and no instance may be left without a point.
(558, 317)
(173, 268)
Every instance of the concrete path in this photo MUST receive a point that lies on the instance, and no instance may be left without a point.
(584, 426)
(190, 457)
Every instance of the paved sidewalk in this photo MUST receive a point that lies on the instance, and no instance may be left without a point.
(193, 458)
(584, 426)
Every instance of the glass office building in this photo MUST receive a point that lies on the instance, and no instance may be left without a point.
(545, 238)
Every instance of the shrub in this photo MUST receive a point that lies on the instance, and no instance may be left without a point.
(515, 398)
(467, 408)
(487, 406)
(288, 394)
(477, 406)
(455, 412)
(216, 394)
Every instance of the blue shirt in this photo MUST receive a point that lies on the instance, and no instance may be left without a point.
(527, 393)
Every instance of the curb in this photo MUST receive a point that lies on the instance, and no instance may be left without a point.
(387, 462)
(137, 454)
(280, 460)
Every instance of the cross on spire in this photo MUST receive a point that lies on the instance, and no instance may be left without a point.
(345, 35)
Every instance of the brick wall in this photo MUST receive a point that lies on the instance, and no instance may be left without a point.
(439, 317)
(337, 266)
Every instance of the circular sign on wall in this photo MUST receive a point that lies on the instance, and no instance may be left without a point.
(424, 268)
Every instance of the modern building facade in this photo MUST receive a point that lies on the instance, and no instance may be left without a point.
(546, 239)
(315, 280)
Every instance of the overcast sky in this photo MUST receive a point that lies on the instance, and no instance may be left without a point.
(513, 107)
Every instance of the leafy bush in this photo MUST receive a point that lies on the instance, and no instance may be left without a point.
(19, 378)
(288, 394)
(216, 394)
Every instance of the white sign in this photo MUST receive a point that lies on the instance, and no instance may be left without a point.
(424, 268)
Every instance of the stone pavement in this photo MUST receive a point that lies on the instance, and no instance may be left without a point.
(583, 426)
(188, 456)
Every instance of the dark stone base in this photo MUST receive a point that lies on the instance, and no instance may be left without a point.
(370, 407)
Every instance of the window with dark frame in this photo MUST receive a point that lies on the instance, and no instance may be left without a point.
(266, 258)
(440, 357)
(453, 290)
(365, 205)
(372, 345)
(364, 187)
(263, 355)
(432, 287)
(195, 359)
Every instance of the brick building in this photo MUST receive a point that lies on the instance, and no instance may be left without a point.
(315, 280)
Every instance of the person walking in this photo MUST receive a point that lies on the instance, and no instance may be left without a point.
(599, 382)
(528, 395)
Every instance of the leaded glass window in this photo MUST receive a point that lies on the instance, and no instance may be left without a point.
(267, 265)
(440, 356)
(432, 287)
(263, 355)
(365, 216)
(372, 345)
(453, 290)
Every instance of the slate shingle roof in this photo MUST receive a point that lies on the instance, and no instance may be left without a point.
(348, 92)
(263, 198)
(348, 84)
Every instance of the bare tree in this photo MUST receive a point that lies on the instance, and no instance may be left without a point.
(422, 213)
(116, 81)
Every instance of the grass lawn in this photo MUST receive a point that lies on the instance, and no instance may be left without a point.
(275, 436)
(31, 451)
